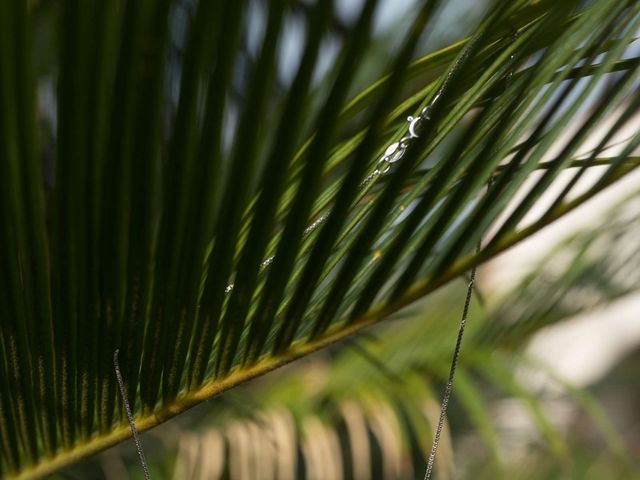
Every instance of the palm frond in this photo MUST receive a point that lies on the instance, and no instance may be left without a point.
(213, 230)
(369, 407)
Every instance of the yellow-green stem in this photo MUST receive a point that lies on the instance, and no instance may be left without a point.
(301, 348)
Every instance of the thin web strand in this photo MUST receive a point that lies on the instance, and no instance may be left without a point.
(452, 372)
(132, 424)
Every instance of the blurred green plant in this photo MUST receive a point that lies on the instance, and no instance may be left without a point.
(174, 179)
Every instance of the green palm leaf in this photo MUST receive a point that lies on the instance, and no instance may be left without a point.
(177, 226)
(345, 398)
(328, 398)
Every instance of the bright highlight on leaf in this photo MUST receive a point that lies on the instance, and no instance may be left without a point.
(179, 164)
